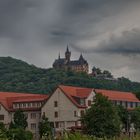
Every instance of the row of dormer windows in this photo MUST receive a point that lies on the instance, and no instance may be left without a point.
(126, 104)
(27, 105)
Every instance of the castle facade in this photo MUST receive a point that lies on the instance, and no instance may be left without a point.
(80, 65)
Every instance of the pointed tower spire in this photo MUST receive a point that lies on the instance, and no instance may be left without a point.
(67, 54)
(59, 55)
(67, 48)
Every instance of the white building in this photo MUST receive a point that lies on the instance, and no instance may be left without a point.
(67, 104)
(30, 103)
(63, 108)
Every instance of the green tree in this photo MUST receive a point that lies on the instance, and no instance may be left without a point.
(135, 117)
(3, 131)
(123, 114)
(20, 120)
(102, 119)
(19, 134)
(45, 127)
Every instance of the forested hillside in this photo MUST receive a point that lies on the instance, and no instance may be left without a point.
(18, 76)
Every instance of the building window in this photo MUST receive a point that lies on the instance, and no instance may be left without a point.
(33, 126)
(82, 113)
(33, 115)
(126, 104)
(38, 104)
(26, 115)
(131, 104)
(57, 124)
(89, 102)
(120, 102)
(136, 104)
(33, 104)
(75, 114)
(29, 104)
(1, 117)
(55, 104)
(20, 105)
(24, 105)
(82, 101)
(56, 114)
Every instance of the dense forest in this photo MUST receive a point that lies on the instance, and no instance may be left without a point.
(19, 76)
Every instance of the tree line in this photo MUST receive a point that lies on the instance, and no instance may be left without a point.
(19, 76)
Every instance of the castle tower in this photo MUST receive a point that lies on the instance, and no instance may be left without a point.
(67, 54)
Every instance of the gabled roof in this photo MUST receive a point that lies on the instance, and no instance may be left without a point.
(78, 92)
(8, 98)
(118, 95)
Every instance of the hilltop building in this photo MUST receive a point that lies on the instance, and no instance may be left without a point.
(80, 65)
(64, 107)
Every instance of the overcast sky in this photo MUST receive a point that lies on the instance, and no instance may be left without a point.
(107, 32)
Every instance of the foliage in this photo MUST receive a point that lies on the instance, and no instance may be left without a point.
(45, 127)
(3, 131)
(135, 117)
(19, 134)
(123, 114)
(78, 136)
(20, 120)
(18, 76)
(102, 119)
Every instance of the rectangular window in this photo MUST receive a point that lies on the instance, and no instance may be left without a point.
(20, 105)
(24, 105)
(29, 104)
(33, 115)
(136, 104)
(33, 126)
(33, 104)
(1, 117)
(120, 102)
(26, 115)
(56, 114)
(126, 104)
(131, 104)
(82, 113)
(75, 114)
(89, 102)
(55, 104)
(38, 104)
(57, 124)
(82, 101)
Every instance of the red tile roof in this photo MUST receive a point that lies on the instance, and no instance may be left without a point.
(78, 92)
(118, 95)
(8, 98)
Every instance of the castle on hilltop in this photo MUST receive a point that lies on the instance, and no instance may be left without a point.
(80, 65)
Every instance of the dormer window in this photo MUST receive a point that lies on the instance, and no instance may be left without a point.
(82, 101)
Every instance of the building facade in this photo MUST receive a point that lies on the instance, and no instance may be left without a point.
(80, 65)
(64, 107)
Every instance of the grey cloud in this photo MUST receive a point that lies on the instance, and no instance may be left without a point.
(36, 30)
(128, 43)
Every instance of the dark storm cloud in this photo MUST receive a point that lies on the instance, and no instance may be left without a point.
(36, 30)
(128, 43)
